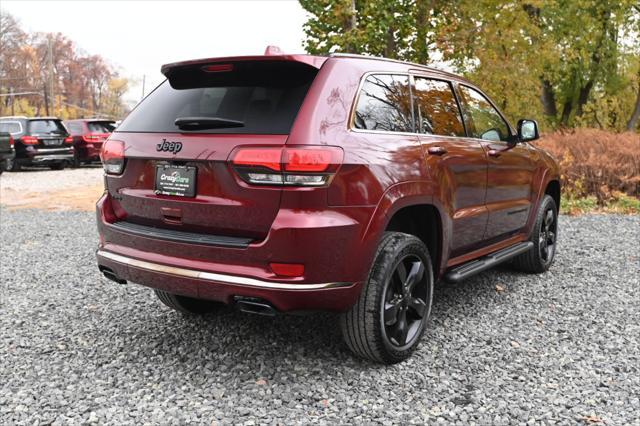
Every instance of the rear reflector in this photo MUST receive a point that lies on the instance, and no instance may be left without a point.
(292, 165)
(112, 157)
(287, 269)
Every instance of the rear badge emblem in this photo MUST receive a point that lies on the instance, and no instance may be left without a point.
(167, 146)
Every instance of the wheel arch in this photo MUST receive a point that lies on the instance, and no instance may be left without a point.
(423, 221)
(553, 189)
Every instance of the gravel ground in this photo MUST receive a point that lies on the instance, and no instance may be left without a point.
(502, 348)
(70, 189)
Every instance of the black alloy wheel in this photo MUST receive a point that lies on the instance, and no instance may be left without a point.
(405, 302)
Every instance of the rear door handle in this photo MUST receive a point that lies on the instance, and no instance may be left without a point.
(436, 150)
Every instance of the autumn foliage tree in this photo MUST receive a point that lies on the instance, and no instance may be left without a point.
(47, 74)
(574, 63)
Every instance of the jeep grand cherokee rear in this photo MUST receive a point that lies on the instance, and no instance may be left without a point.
(286, 183)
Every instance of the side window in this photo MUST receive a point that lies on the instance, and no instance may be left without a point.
(483, 120)
(384, 103)
(436, 109)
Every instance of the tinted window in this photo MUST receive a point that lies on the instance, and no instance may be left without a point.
(101, 126)
(13, 127)
(74, 128)
(46, 126)
(384, 104)
(436, 109)
(266, 98)
(483, 120)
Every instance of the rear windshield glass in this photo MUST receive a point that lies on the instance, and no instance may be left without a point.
(13, 127)
(101, 126)
(46, 126)
(265, 100)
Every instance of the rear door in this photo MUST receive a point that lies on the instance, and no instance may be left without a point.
(511, 166)
(50, 132)
(457, 163)
(237, 104)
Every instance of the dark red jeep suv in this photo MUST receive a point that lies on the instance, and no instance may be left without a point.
(88, 135)
(283, 183)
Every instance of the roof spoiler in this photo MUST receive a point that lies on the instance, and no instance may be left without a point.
(271, 53)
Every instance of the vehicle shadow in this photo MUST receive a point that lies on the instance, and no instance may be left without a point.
(263, 343)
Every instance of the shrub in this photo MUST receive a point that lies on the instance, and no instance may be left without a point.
(596, 163)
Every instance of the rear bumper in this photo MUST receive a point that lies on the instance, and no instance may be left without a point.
(336, 262)
(46, 155)
(88, 151)
(335, 296)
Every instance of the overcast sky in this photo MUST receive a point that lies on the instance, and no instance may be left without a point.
(137, 37)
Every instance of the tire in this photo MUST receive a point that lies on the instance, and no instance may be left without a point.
(544, 238)
(57, 166)
(186, 305)
(11, 165)
(403, 298)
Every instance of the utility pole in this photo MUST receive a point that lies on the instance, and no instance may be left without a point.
(52, 95)
(46, 100)
(143, 79)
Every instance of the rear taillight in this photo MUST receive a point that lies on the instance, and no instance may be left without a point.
(68, 139)
(11, 142)
(293, 166)
(29, 140)
(94, 137)
(112, 157)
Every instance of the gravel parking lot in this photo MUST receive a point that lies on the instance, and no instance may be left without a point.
(502, 348)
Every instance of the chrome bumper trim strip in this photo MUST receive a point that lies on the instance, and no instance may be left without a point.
(211, 276)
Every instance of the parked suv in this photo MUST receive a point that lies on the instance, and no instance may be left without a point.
(284, 183)
(7, 152)
(38, 141)
(88, 135)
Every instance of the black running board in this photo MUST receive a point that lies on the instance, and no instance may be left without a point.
(476, 266)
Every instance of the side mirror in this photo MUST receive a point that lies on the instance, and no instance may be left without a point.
(528, 130)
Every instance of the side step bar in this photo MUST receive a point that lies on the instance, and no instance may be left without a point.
(473, 267)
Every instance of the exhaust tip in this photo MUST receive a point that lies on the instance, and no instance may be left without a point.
(110, 274)
(254, 305)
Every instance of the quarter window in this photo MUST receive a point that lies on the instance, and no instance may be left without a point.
(384, 104)
(436, 109)
(482, 119)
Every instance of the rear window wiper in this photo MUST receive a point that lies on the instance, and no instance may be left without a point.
(201, 123)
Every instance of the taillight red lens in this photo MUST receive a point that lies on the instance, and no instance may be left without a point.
(259, 157)
(11, 142)
(94, 137)
(307, 160)
(68, 139)
(29, 140)
(112, 156)
(292, 165)
(287, 269)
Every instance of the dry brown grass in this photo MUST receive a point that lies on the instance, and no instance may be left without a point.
(596, 163)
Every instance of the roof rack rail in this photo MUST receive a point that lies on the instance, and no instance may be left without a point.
(397, 61)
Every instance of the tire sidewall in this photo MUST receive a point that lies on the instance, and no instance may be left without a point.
(547, 202)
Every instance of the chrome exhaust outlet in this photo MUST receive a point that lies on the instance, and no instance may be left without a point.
(254, 305)
(108, 273)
